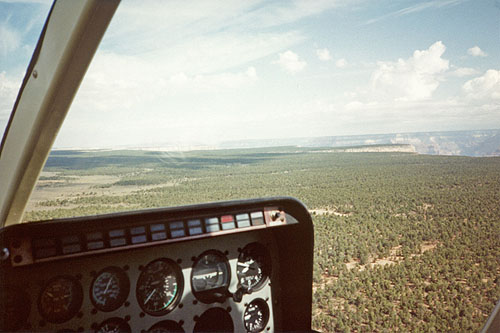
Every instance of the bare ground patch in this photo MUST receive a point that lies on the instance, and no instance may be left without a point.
(393, 258)
(328, 211)
(71, 187)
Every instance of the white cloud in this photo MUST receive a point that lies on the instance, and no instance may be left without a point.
(214, 82)
(149, 83)
(436, 4)
(484, 87)
(275, 13)
(413, 79)
(354, 105)
(464, 71)
(154, 108)
(179, 78)
(200, 64)
(217, 14)
(341, 63)
(323, 54)
(476, 52)
(155, 22)
(185, 63)
(215, 53)
(10, 40)
(251, 73)
(9, 87)
(290, 62)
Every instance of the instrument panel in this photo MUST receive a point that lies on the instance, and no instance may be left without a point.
(215, 278)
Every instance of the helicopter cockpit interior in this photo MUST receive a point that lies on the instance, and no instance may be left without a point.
(234, 266)
(226, 266)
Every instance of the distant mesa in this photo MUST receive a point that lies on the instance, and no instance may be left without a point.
(390, 148)
(466, 143)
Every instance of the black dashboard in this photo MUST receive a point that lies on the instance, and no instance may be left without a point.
(238, 266)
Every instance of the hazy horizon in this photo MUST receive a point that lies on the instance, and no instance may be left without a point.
(218, 144)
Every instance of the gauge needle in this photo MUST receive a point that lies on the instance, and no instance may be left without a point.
(150, 295)
(247, 267)
(107, 286)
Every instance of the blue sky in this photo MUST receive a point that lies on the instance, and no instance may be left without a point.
(209, 71)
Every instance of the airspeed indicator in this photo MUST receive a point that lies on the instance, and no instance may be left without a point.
(159, 287)
(109, 289)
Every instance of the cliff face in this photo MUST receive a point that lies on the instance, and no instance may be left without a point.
(374, 149)
(467, 143)
(381, 149)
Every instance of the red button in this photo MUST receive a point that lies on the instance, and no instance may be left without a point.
(227, 218)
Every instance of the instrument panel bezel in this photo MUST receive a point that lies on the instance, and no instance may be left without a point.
(290, 242)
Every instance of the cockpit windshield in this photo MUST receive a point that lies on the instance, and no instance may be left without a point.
(172, 83)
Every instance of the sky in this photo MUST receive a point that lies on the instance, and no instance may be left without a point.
(202, 72)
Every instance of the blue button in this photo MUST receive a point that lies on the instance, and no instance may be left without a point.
(159, 236)
(94, 236)
(137, 230)
(177, 233)
(117, 233)
(228, 226)
(212, 220)
(139, 239)
(194, 223)
(72, 248)
(243, 220)
(195, 231)
(157, 227)
(117, 242)
(177, 225)
(95, 245)
(212, 228)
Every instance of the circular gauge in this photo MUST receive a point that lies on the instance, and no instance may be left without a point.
(214, 320)
(159, 287)
(210, 277)
(253, 267)
(14, 308)
(60, 299)
(166, 326)
(114, 325)
(109, 289)
(256, 316)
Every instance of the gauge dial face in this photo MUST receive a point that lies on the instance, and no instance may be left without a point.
(210, 277)
(109, 289)
(14, 308)
(114, 325)
(60, 299)
(214, 320)
(159, 287)
(256, 316)
(166, 326)
(253, 267)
